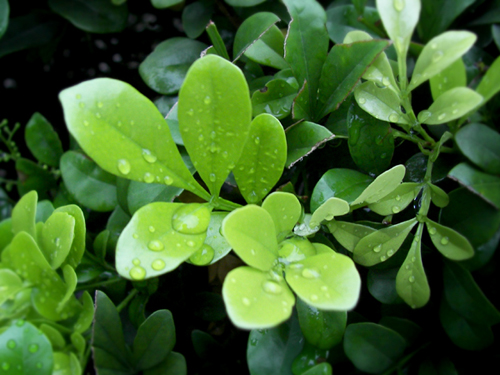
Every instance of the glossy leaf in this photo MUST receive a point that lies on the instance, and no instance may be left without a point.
(195, 17)
(256, 299)
(346, 184)
(439, 53)
(405, 327)
(305, 362)
(373, 348)
(42, 140)
(306, 45)
(479, 143)
(56, 238)
(328, 210)
(370, 143)
(397, 200)
(438, 196)
(320, 369)
(298, 248)
(379, 246)
(24, 349)
(159, 237)
(78, 245)
(449, 242)
(43, 210)
(11, 284)
(23, 214)
(214, 118)
(450, 105)
(165, 68)
(348, 234)
(381, 186)
(275, 99)
(381, 103)
(489, 84)
(451, 77)
(55, 337)
(485, 185)
(243, 3)
(140, 194)
(285, 210)
(303, 138)
(251, 232)
(86, 315)
(343, 68)
(123, 132)
(218, 46)
(327, 281)
(343, 19)
(94, 16)
(411, 281)
(214, 237)
(70, 280)
(323, 329)
(6, 234)
(400, 18)
(268, 50)
(263, 158)
(66, 363)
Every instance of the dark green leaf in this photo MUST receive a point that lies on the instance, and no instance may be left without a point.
(382, 285)
(305, 362)
(4, 16)
(344, 18)
(162, 4)
(218, 45)
(304, 138)
(406, 328)
(42, 140)
(33, 177)
(243, 3)
(275, 99)
(480, 144)
(173, 364)
(196, 16)
(489, 84)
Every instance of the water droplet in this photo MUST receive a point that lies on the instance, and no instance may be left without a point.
(399, 5)
(394, 117)
(33, 348)
(361, 100)
(383, 258)
(148, 177)
(441, 116)
(272, 287)
(432, 230)
(124, 166)
(191, 218)
(158, 264)
(377, 248)
(212, 177)
(190, 243)
(20, 323)
(85, 122)
(5, 366)
(11, 344)
(156, 245)
(411, 279)
(136, 261)
(78, 96)
(310, 273)
(424, 115)
(203, 256)
(245, 301)
(135, 235)
(190, 112)
(437, 56)
(151, 229)
(398, 198)
(98, 115)
(390, 253)
(455, 111)
(396, 209)
(148, 156)
(257, 140)
(168, 180)
(137, 273)
(207, 100)
(445, 241)
(407, 266)
(413, 259)
(314, 297)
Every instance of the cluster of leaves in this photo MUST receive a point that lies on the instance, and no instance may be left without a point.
(365, 142)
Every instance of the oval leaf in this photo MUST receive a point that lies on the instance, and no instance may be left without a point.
(285, 210)
(304, 138)
(449, 242)
(42, 140)
(328, 210)
(397, 200)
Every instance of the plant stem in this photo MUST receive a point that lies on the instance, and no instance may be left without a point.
(126, 300)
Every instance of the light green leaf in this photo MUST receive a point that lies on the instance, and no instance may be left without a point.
(450, 105)
(276, 99)
(400, 18)
(328, 281)
(285, 210)
(159, 237)
(303, 138)
(381, 186)
(439, 53)
(165, 68)
(214, 237)
(328, 210)
(10, 283)
(173, 364)
(268, 50)
(381, 103)
(78, 245)
(86, 315)
(449, 242)
(214, 118)
(489, 85)
(438, 196)
(449, 78)
(54, 335)
(123, 132)
(251, 232)
(71, 280)
(411, 281)
(66, 364)
(348, 234)
(24, 213)
(42, 140)
(379, 246)
(218, 46)
(256, 299)
(397, 200)
(298, 248)
(56, 238)
(263, 158)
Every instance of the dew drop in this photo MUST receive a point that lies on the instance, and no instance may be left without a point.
(78, 96)
(124, 166)
(455, 111)
(85, 122)
(386, 81)
(361, 100)
(207, 100)
(314, 297)
(394, 117)
(148, 156)
(168, 180)
(445, 241)
(413, 259)
(390, 253)
(411, 279)
(377, 248)
(398, 198)
(136, 261)
(190, 112)
(158, 264)
(383, 258)
(98, 115)
(33, 348)
(310, 273)
(148, 177)
(156, 245)
(396, 209)
(5, 366)
(399, 5)
(191, 218)
(20, 323)
(100, 104)
(245, 301)
(441, 116)
(137, 273)
(437, 56)
(212, 177)
(151, 229)
(257, 140)
(11, 344)
(272, 287)
(190, 243)
(203, 256)
(432, 230)
(135, 235)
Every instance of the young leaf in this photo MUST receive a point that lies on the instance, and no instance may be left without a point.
(24, 213)
(56, 238)
(78, 245)
(250, 230)
(348, 234)
(304, 138)
(439, 53)
(124, 133)
(438, 196)
(397, 200)
(381, 103)
(66, 363)
(42, 140)
(54, 335)
(450, 105)
(411, 282)
(217, 43)
(159, 237)
(268, 50)
(214, 118)
(328, 210)
(256, 299)
(263, 158)
(275, 99)
(86, 315)
(451, 77)
(11, 284)
(71, 280)
(328, 281)
(449, 242)
(298, 248)
(285, 210)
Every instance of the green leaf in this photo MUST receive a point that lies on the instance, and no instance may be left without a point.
(173, 364)
(479, 143)
(373, 348)
(87, 314)
(485, 185)
(56, 238)
(71, 280)
(371, 144)
(162, 4)
(268, 50)
(397, 200)
(382, 285)
(381, 186)
(89, 184)
(55, 337)
(243, 3)
(451, 77)
(302, 139)
(23, 214)
(214, 118)
(251, 232)
(34, 177)
(78, 245)
(42, 140)
(24, 349)
(306, 45)
(381, 103)
(298, 248)
(43, 210)
(154, 340)
(489, 84)
(139, 194)
(321, 369)
(159, 237)
(305, 362)
(379, 246)
(323, 329)
(328, 210)
(284, 341)
(4, 16)
(400, 18)
(348, 234)
(94, 16)
(411, 281)
(66, 364)
(342, 183)
(11, 284)
(6, 234)
(406, 328)
(285, 210)
(328, 281)
(256, 299)
(263, 158)
(343, 19)
(450, 105)
(165, 68)
(275, 99)
(438, 196)
(195, 17)
(449, 242)
(214, 237)
(123, 132)
(218, 46)
(439, 53)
